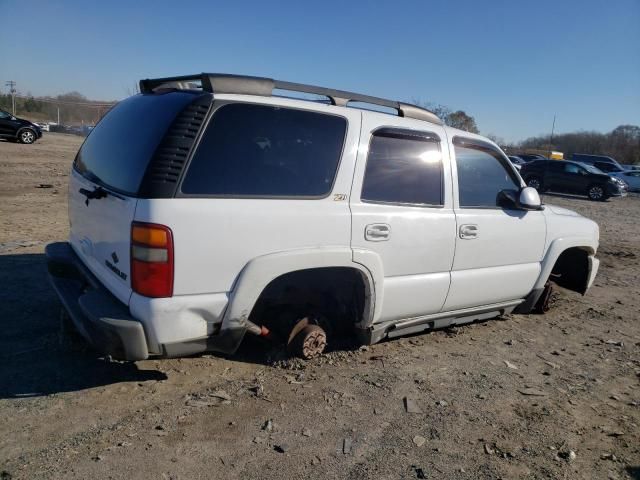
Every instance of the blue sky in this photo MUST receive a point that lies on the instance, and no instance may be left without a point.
(510, 64)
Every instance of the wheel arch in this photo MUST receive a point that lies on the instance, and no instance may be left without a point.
(262, 271)
(575, 258)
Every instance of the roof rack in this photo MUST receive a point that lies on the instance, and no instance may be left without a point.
(245, 85)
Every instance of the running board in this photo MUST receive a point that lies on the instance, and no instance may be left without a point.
(444, 319)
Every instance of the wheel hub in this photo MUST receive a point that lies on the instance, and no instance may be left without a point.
(307, 340)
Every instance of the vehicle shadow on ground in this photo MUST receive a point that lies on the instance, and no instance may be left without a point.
(35, 362)
(633, 472)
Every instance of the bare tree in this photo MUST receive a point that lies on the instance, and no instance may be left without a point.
(458, 119)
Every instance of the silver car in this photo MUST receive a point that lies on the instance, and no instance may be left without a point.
(630, 177)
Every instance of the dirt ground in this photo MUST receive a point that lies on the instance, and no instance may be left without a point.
(528, 396)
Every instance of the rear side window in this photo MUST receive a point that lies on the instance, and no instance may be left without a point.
(403, 168)
(119, 148)
(572, 168)
(253, 150)
(482, 174)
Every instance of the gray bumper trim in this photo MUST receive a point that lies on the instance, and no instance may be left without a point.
(98, 316)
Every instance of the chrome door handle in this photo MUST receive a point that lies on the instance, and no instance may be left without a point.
(377, 232)
(468, 231)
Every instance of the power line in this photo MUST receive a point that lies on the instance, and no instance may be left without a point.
(12, 89)
(68, 102)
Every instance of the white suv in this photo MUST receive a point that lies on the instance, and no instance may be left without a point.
(233, 210)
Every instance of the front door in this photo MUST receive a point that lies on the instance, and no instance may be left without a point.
(7, 126)
(567, 177)
(498, 249)
(402, 214)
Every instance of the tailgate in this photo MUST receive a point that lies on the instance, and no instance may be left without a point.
(100, 234)
(108, 175)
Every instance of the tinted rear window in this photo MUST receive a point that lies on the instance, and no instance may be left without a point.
(260, 150)
(403, 169)
(118, 150)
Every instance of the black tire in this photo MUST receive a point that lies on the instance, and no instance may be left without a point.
(535, 182)
(27, 136)
(596, 193)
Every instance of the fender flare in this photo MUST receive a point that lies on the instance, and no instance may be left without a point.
(559, 245)
(260, 271)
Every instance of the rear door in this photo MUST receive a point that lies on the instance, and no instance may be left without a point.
(498, 250)
(554, 176)
(575, 178)
(105, 180)
(402, 211)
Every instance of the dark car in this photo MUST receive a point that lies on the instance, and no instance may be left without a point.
(17, 129)
(601, 162)
(563, 176)
(529, 157)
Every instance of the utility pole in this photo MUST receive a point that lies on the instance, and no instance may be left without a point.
(12, 89)
(553, 127)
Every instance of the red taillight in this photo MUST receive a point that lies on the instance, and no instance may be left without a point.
(151, 260)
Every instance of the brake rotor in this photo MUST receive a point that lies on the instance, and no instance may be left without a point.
(307, 340)
(542, 306)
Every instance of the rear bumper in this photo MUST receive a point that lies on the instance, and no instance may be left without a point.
(158, 327)
(97, 315)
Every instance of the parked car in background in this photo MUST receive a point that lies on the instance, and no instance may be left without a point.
(43, 126)
(628, 166)
(18, 129)
(516, 160)
(563, 176)
(528, 157)
(601, 162)
(631, 178)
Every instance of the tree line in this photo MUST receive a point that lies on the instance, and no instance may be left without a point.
(72, 108)
(622, 143)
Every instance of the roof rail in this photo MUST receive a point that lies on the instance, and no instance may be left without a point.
(245, 85)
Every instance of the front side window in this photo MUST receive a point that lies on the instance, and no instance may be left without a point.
(251, 150)
(482, 173)
(403, 167)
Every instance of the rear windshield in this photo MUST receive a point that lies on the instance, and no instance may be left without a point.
(117, 151)
(253, 150)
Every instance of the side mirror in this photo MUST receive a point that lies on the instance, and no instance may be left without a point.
(529, 199)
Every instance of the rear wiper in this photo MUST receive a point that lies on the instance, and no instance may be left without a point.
(96, 194)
